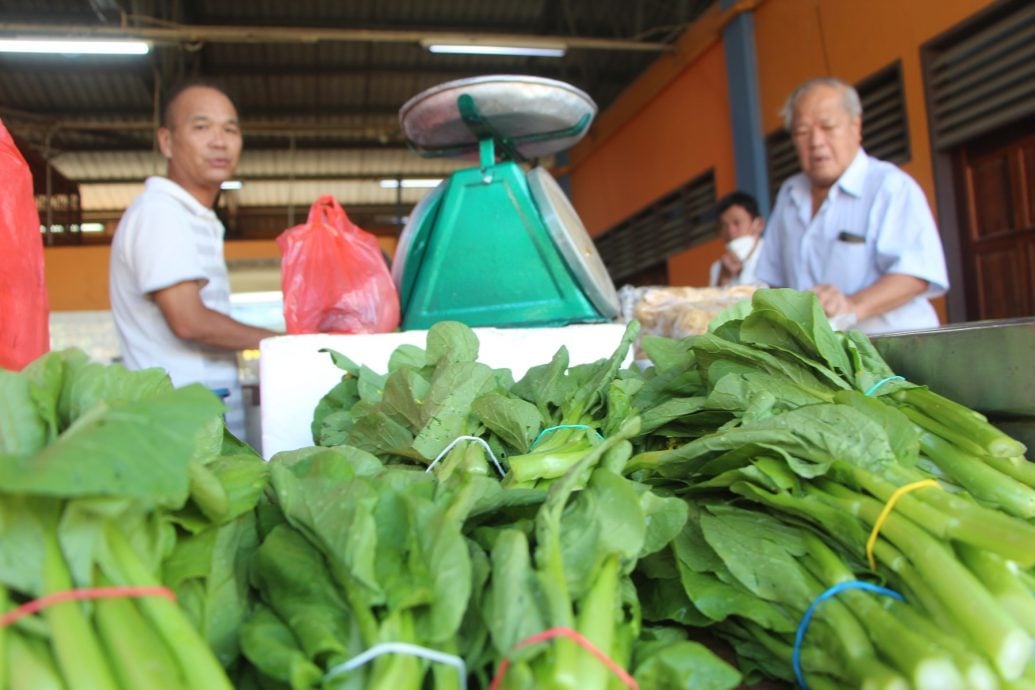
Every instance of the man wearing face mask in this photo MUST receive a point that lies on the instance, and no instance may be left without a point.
(740, 227)
(855, 230)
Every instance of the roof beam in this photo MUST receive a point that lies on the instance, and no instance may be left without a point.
(183, 33)
(286, 177)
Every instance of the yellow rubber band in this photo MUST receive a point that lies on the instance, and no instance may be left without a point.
(888, 507)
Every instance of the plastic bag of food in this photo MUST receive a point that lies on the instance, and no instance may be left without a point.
(334, 276)
(676, 312)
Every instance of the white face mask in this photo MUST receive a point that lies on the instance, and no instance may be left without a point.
(742, 246)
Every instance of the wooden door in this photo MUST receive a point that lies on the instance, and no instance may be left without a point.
(997, 175)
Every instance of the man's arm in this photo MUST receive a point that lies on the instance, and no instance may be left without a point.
(189, 319)
(887, 292)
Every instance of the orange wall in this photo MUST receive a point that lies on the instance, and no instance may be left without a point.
(77, 277)
(686, 129)
(683, 132)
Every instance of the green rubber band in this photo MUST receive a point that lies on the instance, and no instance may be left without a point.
(880, 383)
(551, 429)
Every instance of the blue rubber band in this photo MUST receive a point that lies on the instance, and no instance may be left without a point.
(831, 592)
(551, 429)
(880, 383)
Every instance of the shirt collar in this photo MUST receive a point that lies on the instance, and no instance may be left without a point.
(850, 182)
(853, 178)
(167, 186)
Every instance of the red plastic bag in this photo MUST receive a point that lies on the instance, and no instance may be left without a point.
(334, 276)
(24, 309)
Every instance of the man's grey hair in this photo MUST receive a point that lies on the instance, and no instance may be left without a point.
(849, 98)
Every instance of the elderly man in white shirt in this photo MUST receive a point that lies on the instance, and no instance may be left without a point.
(855, 230)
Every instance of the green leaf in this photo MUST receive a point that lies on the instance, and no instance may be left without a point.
(342, 362)
(665, 517)
(270, 645)
(294, 580)
(448, 405)
(21, 549)
(711, 588)
(328, 497)
(22, 430)
(682, 664)
(809, 438)
(545, 385)
(709, 348)
(513, 607)
(665, 353)
(453, 342)
(120, 450)
(408, 357)
(673, 409)
(730, 316)
(48, 374)
(89, 384)
(332, 418)
(514, 420)
(379, 434)
(215, 565)
(797, 316)
(735, 391)
(769, 563)
(405, 392)
(371, 385)
(902, 435)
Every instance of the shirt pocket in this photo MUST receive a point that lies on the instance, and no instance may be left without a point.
(849, 262)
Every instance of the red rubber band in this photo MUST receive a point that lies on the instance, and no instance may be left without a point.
(551, 633)
(29, 608)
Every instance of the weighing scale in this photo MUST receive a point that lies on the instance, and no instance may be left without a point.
(493, 245)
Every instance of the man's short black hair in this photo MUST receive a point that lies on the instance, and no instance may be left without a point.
(174, 93)
(738, 198)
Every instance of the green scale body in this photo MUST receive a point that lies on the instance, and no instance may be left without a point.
(483, 256)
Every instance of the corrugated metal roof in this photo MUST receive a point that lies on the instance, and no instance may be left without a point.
(322, 113)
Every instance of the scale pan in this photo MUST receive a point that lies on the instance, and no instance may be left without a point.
(515, 106)
(574, 243)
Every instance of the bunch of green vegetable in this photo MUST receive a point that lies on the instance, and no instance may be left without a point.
(815, 438)
(754, 478)
(431, 397)
(362, 547)
(102, 473)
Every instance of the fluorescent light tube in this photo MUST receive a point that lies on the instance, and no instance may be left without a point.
(485, 49)
(56, 46)
(412, 183)
(231, 184)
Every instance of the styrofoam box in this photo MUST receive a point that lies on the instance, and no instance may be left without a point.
(294, 374)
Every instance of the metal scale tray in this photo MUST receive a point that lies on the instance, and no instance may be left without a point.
(988, 366)
(541, 116)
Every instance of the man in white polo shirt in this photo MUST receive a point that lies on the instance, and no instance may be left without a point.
(170, 293)
(854, 229)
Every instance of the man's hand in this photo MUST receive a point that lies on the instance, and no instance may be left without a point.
(189, 319)
(833, 301)
(730, 267)
(889, 291)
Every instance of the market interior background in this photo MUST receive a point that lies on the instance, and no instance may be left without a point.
(689, 93)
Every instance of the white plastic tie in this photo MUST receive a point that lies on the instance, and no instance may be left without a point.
(401, 648)
(458, 439)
